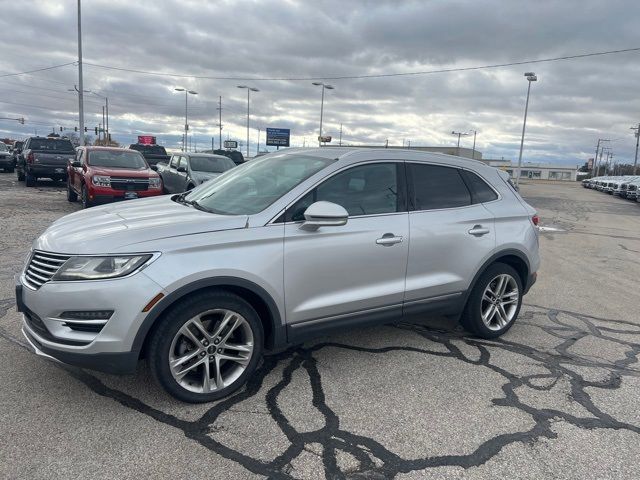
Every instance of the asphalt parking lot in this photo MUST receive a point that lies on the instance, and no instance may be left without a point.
(557, 396)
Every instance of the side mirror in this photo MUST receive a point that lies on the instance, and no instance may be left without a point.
(153, 167)
(325, 214)
(76, 164)
(181, 169)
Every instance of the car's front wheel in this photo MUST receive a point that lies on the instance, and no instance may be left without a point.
(206, 347)
(84, 197)
(494, 302)
(72, 196)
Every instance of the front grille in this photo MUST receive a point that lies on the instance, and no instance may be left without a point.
(129, 184)
(42, 266)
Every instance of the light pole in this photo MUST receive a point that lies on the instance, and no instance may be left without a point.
(186, 117)
(473, 151)
(106, 124)
(531, 77)
(249, 90)
(459, 134)
(80, 90)
(327, 87)
(637, 134)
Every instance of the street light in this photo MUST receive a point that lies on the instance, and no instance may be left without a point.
(328, 87)
(249, 90)
(459, 134)
(531, 77)
(186, 117)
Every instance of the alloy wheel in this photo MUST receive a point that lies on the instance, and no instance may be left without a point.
(211, 350)
(499, 302)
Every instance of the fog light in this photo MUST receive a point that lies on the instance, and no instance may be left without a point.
(87, 315)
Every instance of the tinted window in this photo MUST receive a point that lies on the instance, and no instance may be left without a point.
(480, 191)
(3, 147)
(437, 187)
(365, 190)
(149, 149)
(211, 164)
(50, 144)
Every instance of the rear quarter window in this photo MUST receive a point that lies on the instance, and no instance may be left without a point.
(434, 187)
(481, 192)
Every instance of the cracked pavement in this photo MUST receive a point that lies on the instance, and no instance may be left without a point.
(555, 397)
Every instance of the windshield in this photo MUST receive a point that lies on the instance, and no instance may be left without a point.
(253, 186)
(211, 164)
(3, 147)
(50, 144)
(116, 159)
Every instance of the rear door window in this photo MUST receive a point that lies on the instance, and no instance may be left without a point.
(434, 187)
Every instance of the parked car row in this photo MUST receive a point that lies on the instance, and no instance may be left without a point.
(97, 175)
(625, 186)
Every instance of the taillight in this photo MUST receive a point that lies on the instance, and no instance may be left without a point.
(30, 158)
(535, 219)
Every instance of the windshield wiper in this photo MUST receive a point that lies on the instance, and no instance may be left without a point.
(193, 203)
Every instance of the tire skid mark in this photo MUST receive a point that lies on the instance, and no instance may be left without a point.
(374, 459)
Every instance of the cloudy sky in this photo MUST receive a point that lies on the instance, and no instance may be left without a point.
(574, 103)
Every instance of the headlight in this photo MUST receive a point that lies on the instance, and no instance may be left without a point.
(154, 182)
(101, 180)
(97, 268)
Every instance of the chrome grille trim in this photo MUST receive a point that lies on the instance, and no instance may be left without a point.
(42, 266)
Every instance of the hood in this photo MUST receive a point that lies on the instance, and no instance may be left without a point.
(124, 227)
(123, 172)
(201, 177)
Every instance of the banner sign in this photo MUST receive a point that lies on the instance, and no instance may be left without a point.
(278, 137)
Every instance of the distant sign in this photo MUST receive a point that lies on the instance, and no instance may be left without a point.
(325, 139)
(278, 137)
(146, 139)
(230, 144)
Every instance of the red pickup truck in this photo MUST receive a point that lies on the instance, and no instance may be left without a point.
(106, 174)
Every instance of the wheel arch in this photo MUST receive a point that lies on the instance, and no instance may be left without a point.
(258, 297)
(514, 258)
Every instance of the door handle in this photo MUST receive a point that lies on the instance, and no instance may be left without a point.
(388, 239)
(478, 231)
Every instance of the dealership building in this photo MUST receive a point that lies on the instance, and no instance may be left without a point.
(533, 171)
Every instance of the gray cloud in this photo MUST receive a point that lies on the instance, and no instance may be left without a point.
(574, 103)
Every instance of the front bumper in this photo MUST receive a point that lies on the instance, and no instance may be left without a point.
(109, 349)
(102, 195)
(6, 161)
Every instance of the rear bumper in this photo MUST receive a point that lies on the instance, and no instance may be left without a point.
(47, 170)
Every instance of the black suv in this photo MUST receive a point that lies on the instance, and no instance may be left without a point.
(151, 153)
(44, 157)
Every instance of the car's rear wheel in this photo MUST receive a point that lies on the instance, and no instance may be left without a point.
(206, 347)
(72, 196)
(494, 303)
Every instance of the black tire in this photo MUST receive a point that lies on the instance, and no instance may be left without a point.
(72, 196)
(162, 337)
(20, 174)
(84, 197)
(472, 316)
(29, 179)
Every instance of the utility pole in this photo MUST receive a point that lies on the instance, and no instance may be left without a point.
(104, 135)
(340, 142)
(473, 152)
(212, 145)
(80, 90)
(635, 162)
(220, 122)
(258, 147)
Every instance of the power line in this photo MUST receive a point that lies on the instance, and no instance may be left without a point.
(378, 75)
(27, 72)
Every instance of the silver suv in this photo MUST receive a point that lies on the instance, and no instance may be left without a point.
(280, 249)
